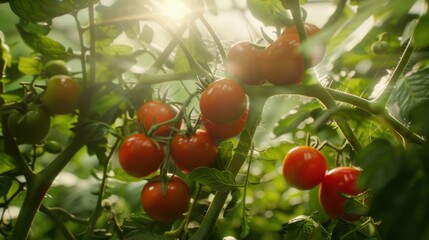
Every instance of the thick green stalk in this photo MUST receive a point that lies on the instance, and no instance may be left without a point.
(256, 106)
(37, 188)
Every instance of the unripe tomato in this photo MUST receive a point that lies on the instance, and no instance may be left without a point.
(139, 156)
(338, 180)
(62, 95)
(304, 167)
(197, 150)
(225, 131)
(243, 63)
(319, 51)
(168, 207)
(56, 67)
(282, 62)
(223, 101)
(156, 112)
(30, 127)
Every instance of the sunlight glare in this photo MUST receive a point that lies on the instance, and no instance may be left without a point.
(174, 9)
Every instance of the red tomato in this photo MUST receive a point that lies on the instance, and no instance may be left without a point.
(62, 95)
(156, 112)
(139, 156)
(243, 63)
(168, 207)
(282, 62)
(338, 180)
(224, 131)
(223, 101)
(304, 167)
(197, 150)
(319, 51)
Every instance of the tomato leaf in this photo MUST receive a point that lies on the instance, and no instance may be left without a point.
(302, 228)
(225, 154)
(354, 207)
(6, 163)
(45, 10)
(276, 153)
(5, 184)
(292, 121)
(221, 181)
(30, 65)
(409, 91)
(421, 36)
(41, 43)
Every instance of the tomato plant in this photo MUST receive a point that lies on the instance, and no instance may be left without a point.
(30, 127)
(165, 206)
(225, 131)
(62, 94)
(196, 150)
(243, 63)
(338, 181)
(281, 62)
(156, 112)
(304, 167)
(223, 101)
(140, 156)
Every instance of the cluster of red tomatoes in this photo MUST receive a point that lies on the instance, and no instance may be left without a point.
(305, 167)
(223, 106)
(280, 63)
(30, 124)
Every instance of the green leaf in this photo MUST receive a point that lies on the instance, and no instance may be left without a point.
(5, 184)
(146, 34)
(42, 44)
(302, 228)
(410, 91)
(5, 56)
(197, 49)
(421, 35)
(30, 65)
(45, 10)
(354, 207)
(276, 153)
(269, 12)
(221, 181)
(291, 122)
(6, 163)
(225, 153)
(380, 162)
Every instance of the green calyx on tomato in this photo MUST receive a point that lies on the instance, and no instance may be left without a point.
(169, 206)
(196, 150)
(62, 95)
(140, 156)
(243, 63)
(304, 167)
(56, 67)
(29, 127)
(337, 181)
(156, 112)
(223, 101)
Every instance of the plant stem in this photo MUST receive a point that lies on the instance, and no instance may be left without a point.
(257, 102)
(58, 221)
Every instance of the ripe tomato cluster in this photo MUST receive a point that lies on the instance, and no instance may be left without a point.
(305, 167)
(30, 125)
(223, 106)
(280, 63)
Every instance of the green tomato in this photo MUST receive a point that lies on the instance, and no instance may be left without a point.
(56, 67)
(30, 127)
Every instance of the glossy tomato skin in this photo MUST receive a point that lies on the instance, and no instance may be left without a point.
(225, 131)
(30, 127)
(304, 167)
(338, 180)
(139, 156)
(156, 112)
(281, 61)
(197, 150)
(243, 63)
(62, 95)
(168, 207)
(223, 101)
(319, 51)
